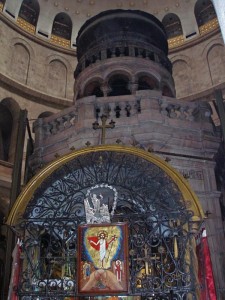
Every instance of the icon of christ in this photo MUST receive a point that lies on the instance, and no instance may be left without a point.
(101, 244)
(104, 248)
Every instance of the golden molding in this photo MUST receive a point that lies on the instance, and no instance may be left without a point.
(26, 25)
(175, 41)
(60, 41)
(209, 26)
(28, 191)
(204, 29)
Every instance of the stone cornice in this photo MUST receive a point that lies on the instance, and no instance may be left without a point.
(205, 95)
(34, 95)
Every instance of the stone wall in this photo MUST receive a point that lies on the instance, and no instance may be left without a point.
(198, 66)
(39, 67)
(43, 68)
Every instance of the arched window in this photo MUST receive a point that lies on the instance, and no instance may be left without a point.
(6, 122)
(204, 12)
(93, 88)
(146, 83)
(62, 26)
(172, 25)
(29, 11)
(119, 85)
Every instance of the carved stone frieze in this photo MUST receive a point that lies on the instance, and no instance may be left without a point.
(175, 109)
(192, 174)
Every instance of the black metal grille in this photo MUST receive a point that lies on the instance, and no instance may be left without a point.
(161, 256)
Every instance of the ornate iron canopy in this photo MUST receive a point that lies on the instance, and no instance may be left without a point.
(137, 191)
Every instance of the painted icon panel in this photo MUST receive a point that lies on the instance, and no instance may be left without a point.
(102, 257)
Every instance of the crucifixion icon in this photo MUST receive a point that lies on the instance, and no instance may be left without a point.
(103, 127)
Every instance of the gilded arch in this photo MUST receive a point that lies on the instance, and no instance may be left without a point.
(182, 184)
(153, 199)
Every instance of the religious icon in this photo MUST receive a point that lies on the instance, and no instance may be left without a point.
(118, 269)
(97, 202)
(103, 259)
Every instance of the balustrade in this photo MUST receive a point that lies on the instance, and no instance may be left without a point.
(96, 55)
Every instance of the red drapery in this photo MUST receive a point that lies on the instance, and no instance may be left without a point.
(12, 295)
(205, 273)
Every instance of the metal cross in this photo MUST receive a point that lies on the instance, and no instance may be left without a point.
(147, 261)
(103, 127)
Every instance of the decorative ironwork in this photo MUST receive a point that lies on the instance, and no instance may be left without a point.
(161, 252)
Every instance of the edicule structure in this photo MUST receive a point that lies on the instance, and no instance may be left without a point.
(115, 163)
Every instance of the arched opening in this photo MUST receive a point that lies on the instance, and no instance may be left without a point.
(147, 83)
(29, 11)
(172, 25)
(62, 26)
(166, 91)
(133, 188)
(93, 89)
(204, 12)
(119, 85)
(6, 124)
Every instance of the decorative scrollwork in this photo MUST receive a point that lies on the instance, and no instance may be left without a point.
(137, 192)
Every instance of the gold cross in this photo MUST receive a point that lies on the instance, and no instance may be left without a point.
(147, 260)
(103, 127)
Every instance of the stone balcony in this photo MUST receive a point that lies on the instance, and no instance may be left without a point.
(147, 119)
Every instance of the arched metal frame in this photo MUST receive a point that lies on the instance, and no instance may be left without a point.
(161, 218)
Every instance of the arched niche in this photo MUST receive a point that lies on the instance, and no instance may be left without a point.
(182, 77)
(146, 82)
(216, 60)
(20, 62)
(143, 191)
(62, 26)
(29, 11)
(172, 25)
(93, 88)
(9, 116)
(119, 84)
(57, 78)
(204, 12)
